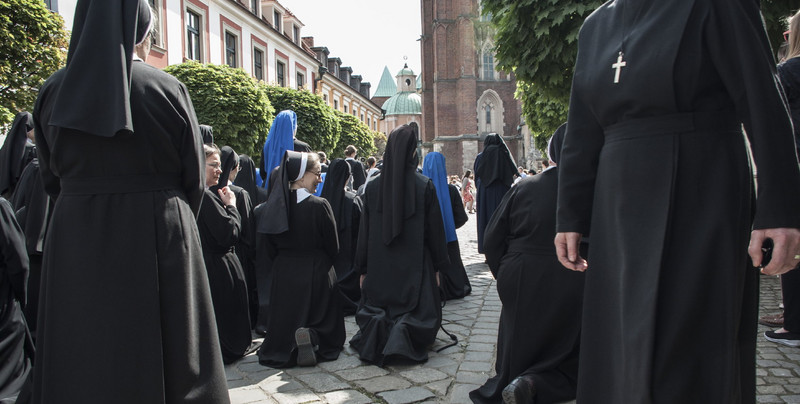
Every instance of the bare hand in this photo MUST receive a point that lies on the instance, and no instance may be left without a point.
(361, 281)
(227, 196)
(438, 283)
(567, 249)
(785, 250)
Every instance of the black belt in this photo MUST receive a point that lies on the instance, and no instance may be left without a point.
(672, 124)
(517, 246)
(118, 185)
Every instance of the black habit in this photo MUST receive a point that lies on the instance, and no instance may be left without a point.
(347, 212)
(247, 180)
(16, 347)
(220, 229)
(127, 316)
(357, 170)
(15, 152)
(401, 246)
(540, 322)
(494, 173)
(656, 167)
(304, 291)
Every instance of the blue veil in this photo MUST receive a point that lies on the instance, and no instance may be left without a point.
(279, 139)
(434, 168)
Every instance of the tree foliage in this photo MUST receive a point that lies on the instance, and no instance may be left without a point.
(537, 40)
(33, 46)
(356, 133)
(317, 124)
(229, 100)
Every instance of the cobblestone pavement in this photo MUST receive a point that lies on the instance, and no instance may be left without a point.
(450, 375)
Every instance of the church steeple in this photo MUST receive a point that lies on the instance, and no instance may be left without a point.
(406, 80)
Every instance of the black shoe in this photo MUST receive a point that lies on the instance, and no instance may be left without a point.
(305, 347)
(521, 390)
(785, 338)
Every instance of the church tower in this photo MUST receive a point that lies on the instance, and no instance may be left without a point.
(464, 96)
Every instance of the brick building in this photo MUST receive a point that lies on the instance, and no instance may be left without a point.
(464, 97)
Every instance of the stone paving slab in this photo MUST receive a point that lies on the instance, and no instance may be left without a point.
(449, 376)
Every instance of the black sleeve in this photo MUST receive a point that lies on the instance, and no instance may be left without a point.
(356, 219)
(459, 214)
(193, 160)
(14, 254)
(740, 50)
(435, 238)
(244, 206)
(222, 225)
(497, 232)
(41, 120)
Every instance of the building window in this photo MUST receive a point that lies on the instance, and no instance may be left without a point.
(488, 110)
(296, 33)
(325, 98)
(488, 66)
(280, 71)
(362, 117)
(254, 6)
(258, 64)
(231, 58)
(336, 104)
(155, 35)
(193, 38)
(276, 20)
(345, 109)
(301, 80)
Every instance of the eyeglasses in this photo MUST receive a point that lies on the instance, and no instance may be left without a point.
(786, 35)
(318, 174)
(216, 166)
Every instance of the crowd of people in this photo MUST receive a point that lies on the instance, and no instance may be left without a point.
(127, 233)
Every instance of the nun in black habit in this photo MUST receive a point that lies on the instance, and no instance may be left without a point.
(207, 133)
(401, 248)
(347, 212)
(655, 169)
(16, 347)
(220, 226)
(245, 247)
(305, 323)
(125, 314)
(453, 280)
(494, 173)
(16, 152)
(539, 335)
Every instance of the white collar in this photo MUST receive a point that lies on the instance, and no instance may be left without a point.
(350, 158)
(302, 194)
(135, 57)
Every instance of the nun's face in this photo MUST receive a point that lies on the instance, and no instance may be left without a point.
(311, 178)
(213, 170)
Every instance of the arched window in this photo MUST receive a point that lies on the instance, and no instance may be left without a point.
(488, 110)
(488, 65)
(489, 113)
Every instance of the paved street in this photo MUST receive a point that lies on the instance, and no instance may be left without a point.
(450, 375)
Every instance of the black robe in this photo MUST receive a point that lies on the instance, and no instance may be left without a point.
(33, 207)
(400, 311)
(246, 247)
(220, 229)
(349, 284)
(656, 167)
(16, 347)
(453, 278)
(304, 291)
(487, 197)
(540, 322)
(127, 314)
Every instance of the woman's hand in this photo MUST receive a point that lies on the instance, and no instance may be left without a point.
(227, 196)
(567, 249)
(785, 250)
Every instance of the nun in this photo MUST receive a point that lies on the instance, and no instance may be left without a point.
(279, 139)
(220, 226)
(16, 153)
(401, 250)
(539, 334)
(305, 323)
(494, 173)
(127, 315)
(247, 178)
(454, 281)
(347, 212)
(207, 133)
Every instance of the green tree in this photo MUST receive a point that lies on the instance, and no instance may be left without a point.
(356, 133)
(229, 100)
(32, 47)
(317, 124)
(537, 40)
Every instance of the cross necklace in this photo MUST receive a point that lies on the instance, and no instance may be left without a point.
(620, 57)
